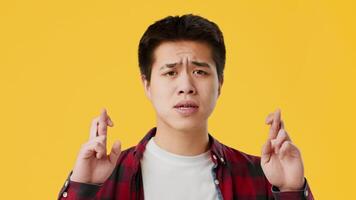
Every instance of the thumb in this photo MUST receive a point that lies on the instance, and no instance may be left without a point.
(266, 152)
(115, 152)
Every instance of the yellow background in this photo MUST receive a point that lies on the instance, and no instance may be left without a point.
(62, 61)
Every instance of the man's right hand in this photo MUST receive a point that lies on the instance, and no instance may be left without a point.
(93, 165)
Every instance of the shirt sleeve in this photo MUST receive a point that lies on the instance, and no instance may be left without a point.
(72, 190)
(304, 194)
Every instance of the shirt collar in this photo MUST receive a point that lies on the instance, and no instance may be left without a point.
(216, 148)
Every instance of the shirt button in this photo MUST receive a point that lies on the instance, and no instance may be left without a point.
(66, 184)
(214, 157)
(306, 193)
(65, 194)
(216, 181)
(222, 159)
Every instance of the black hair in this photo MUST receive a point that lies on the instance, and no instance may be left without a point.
(175, 28)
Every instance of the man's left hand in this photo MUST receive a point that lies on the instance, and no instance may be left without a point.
(281, 160)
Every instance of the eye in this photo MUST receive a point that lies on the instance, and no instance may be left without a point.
(170, 73)
(200, 72)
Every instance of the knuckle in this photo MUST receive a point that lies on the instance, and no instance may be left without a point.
(101, 138)
(287, 143)
(103, 127)
(97, 144)
(283, 132)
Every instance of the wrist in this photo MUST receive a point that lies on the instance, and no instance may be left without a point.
(74, 178)
(294, 188)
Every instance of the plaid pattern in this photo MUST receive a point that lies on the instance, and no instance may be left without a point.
(236, 176)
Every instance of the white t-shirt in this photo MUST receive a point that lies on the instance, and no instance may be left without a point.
(168, 176)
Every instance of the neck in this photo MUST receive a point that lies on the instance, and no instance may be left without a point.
(183, 142)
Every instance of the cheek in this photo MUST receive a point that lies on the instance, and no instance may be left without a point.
(209, 96)
(160, 97)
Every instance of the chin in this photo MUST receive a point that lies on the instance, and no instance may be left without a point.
(186, 124)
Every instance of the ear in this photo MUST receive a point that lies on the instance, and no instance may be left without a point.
(220, 85)
(146, 86)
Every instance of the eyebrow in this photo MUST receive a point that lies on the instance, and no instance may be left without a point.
(169, 65)
(200, 64)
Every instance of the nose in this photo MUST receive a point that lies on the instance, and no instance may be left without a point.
(186, 85)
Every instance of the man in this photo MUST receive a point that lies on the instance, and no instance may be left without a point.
(182, 61)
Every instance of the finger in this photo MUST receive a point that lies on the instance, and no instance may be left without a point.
(94, 128)
(99, 145)
(269, 118)
(266, 152)
(115, 152)
(276, 120)
(94, 147)
(100, 138)
(102, 126)
(288, 149)
(281, 138)
(282, 124)
(100, 150)
(110, 122)
(275, 124)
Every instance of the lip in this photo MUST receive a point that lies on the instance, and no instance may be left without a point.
(186, 107)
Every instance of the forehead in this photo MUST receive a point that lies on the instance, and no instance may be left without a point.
(169, 52)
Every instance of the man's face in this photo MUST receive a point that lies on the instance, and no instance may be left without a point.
(184, 84)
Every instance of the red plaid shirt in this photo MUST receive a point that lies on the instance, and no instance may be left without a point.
(236, 176)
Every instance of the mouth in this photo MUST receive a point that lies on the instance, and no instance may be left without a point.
(186, 108)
